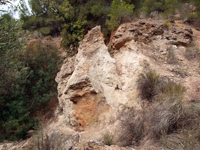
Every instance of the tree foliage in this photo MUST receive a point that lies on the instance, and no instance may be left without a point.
(119, 12)
(166, 6)
(73, 18)
(154, 5)
(26, 80)
(197, 7)
(72, 22)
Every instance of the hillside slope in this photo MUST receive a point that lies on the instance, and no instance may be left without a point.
(98, 87)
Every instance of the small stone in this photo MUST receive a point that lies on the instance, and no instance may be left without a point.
(174, 46)
(180, 59)
(142, 22)
(164, 53)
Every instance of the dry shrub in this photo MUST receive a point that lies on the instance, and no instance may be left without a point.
(161, 121)
(164, 117)
(108, 138)
(41, 139)
(151, 84)
(191, 52)
(130, 133)
(147, 84)
(187, 136)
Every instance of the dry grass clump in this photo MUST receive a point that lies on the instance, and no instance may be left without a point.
(187, 135)
(163, 119)
(147, 84)
(108, 138)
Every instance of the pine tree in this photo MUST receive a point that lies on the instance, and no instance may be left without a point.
(120, 11)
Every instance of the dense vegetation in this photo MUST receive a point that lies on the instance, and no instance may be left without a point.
(26, 80)
(27, 72)
(73, 18)
(164, 118)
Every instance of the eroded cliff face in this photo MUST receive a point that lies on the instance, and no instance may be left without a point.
(99, 82)
(93, 86)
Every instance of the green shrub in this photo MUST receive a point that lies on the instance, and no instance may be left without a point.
(167, 23)
(27, 81)
(45, 30)
(72, 34)
(153, 5)
(170, 7)
(197, 7)
(167, 7)
(119, 13)
(171, 88)
(192, 16)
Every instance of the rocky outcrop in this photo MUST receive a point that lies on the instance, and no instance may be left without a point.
(147, 32)
(95, 86)
(64, 139)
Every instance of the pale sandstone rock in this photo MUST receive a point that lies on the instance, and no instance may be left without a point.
(93, 87)
(109, 82)
(63, 139)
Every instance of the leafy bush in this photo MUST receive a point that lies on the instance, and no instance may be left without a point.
(15, 119)
(147, 85)
(41, 59)
(167, 7)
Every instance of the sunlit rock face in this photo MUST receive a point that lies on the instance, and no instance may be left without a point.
(92, 85)
(98, 83)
